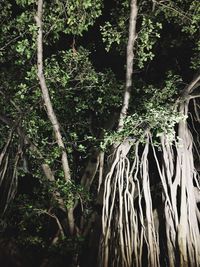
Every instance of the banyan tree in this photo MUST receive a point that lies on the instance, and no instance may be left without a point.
(96, 169)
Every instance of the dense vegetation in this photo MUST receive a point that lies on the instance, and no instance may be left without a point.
(99, 139)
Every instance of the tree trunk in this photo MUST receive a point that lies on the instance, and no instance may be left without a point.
(129, 62)
(50, 111)
(45, 93)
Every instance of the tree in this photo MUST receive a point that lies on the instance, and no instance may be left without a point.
(112, 162)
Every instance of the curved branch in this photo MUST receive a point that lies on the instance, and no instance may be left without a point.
(191, 86)
(194, 96)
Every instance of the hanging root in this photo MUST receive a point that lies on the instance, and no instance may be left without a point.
(131, 225)
(188, 228)
(128, 227)
(8, 172)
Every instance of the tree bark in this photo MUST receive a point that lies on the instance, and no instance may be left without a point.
(45, 93)
(50, 111)
(129, 62)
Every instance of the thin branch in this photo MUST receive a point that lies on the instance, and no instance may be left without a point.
(11, 41)
(194, 96)
(183, 15)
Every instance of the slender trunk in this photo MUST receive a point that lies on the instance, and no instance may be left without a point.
(45, 93)
(50, 111)
(129, 62)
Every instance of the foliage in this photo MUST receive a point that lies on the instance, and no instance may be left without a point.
(86, 91)
(71, 193)
(147, 37)
(154, 110)
(115, 32)
(149, 32)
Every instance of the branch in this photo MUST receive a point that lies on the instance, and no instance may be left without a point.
(50, 111)
(129, 62)
(194, 96)
(191, 86)
(179, 13)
